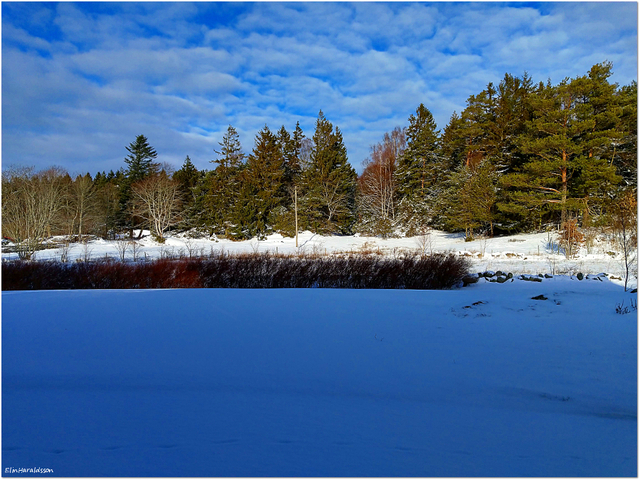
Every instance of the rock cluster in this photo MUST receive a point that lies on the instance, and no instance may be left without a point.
(502, 277)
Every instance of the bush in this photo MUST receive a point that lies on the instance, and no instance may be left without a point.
(257, 270)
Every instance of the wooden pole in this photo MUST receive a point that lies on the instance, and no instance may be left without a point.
(295, 195)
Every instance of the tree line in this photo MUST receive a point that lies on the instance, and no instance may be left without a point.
(520, 157)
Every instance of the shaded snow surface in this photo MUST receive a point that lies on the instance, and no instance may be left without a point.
(481, 381)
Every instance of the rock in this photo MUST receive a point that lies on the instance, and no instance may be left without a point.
(546, 275)
(501, 279)
(530, 278)
(539, 297)
(489, 274)
(580, 276)
(469, 279)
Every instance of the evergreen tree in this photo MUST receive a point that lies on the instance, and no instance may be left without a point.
(139, 166)
(419, 173)
(328, 183)
(224, 185)
(263, 188)
(625, 151)
(561, 139)
(188, 178)
(471, 198)
(140, 159)
(290, 150)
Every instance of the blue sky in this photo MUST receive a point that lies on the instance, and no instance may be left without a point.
(81, 80)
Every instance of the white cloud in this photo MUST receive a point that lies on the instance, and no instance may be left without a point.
(93, 76)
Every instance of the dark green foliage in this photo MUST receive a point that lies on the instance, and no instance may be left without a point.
(140, 159)
(189, 178)
(420, 171)
(328, 185)
(263, 188)
(139, 166)
(565, 140)
(625, 151)
(223, 186)
(470, 199)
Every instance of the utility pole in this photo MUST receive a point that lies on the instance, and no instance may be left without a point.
(295, 196)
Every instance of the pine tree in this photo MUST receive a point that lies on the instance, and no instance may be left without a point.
(290, 150)
(187, 176)
(561, 138)
(625, 152)
(290, 146)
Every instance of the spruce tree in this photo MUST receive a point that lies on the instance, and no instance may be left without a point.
(419, 173)
(471, 198)
(188, 178)
(140, 159)
(224, 185)
(328, 183)
(139, 166)
(290, 146)
(263, 189)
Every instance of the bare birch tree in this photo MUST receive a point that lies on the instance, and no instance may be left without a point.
(377, 184)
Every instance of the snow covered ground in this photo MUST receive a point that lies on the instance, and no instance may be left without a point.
(518, 254)
(479, 381)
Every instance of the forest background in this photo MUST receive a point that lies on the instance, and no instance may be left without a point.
(521, 157)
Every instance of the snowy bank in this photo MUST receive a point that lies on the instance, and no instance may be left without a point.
(519, 254)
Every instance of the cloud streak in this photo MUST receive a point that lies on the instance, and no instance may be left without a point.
(80, 81)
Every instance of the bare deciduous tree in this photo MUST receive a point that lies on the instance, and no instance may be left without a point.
(625, 224)
(83, 201)
(377, 185)
(30, 203)
(157, 200)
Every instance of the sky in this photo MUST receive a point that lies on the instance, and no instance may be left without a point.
(81, 80)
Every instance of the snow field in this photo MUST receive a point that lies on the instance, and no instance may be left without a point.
(481, 381)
